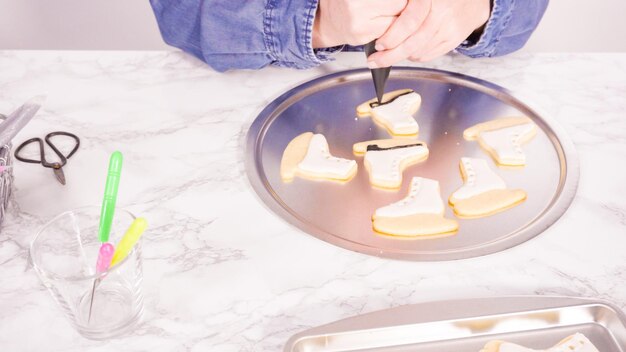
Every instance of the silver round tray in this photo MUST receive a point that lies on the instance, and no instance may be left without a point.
(451, 102)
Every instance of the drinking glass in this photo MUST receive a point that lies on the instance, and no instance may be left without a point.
(64, 253)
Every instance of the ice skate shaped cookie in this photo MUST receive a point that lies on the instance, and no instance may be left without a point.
(503, 138)
(385, 160)
(483, 192)
(395, 113)
(308, 156)
(420, 213)
(574, 343)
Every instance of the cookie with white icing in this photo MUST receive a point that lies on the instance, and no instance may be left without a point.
(420, 213)
(395, 113)
(308, 156)
(503, 138)
(574, 343)
(483, 192)
(386, 160)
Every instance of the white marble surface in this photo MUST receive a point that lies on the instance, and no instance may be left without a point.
(216, 283)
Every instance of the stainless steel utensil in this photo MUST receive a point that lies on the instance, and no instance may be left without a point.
(466, 325)
(18, 119)
(451, 102)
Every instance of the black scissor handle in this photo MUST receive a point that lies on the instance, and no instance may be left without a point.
(42, 156)
(24, 144)
(58, 152)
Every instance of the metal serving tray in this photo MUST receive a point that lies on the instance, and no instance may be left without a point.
(467, 325)
(341, 213)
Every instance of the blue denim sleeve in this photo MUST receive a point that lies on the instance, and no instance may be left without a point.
(242, 34)
(509, 27)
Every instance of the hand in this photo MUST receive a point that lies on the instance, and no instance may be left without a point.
(353, 22)
(427, 29)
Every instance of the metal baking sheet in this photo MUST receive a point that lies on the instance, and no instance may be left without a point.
(451, 102)
(467, 325)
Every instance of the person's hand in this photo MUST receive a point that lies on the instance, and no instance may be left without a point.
(427, 29)
(353, 22)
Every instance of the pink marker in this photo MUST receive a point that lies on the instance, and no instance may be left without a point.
(105, 255)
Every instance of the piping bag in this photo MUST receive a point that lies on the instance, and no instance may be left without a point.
(379, 75)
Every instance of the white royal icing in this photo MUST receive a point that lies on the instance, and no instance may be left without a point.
(384, 165)
(398, 113)
(423, 198)
(507, 142)
(479, 179)
(577, 343)
(319, 161)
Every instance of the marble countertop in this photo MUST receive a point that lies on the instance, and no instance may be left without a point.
(216, 283)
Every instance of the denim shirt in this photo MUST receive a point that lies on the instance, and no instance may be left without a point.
(251, 34)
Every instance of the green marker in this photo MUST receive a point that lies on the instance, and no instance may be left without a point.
(110, 196)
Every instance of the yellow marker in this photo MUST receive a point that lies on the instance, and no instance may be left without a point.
(127, 242)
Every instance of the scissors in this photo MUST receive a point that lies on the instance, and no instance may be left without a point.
(55, 166)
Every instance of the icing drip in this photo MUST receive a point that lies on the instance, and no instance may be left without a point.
(507, 142)
(576, 343)
(479, 179)
(319, 161)
(385, 164)
(375, 104)
(397, 113)
(423, 198)
(375, 147)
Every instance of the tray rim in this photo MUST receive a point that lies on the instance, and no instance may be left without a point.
(543, 303)
(548, 217)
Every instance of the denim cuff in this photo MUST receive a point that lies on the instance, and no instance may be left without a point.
(288, 31)
(488, 41)
(325, 54)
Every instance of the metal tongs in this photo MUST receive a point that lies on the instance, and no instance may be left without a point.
(18, 119)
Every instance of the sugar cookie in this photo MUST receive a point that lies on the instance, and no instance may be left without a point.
(574, 343)
(503, 138)
(420, 213)
(386, 159)
(395, 113)
(483, 192)
(308, 156)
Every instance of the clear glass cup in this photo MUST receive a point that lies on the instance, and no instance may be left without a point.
(64, 253)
